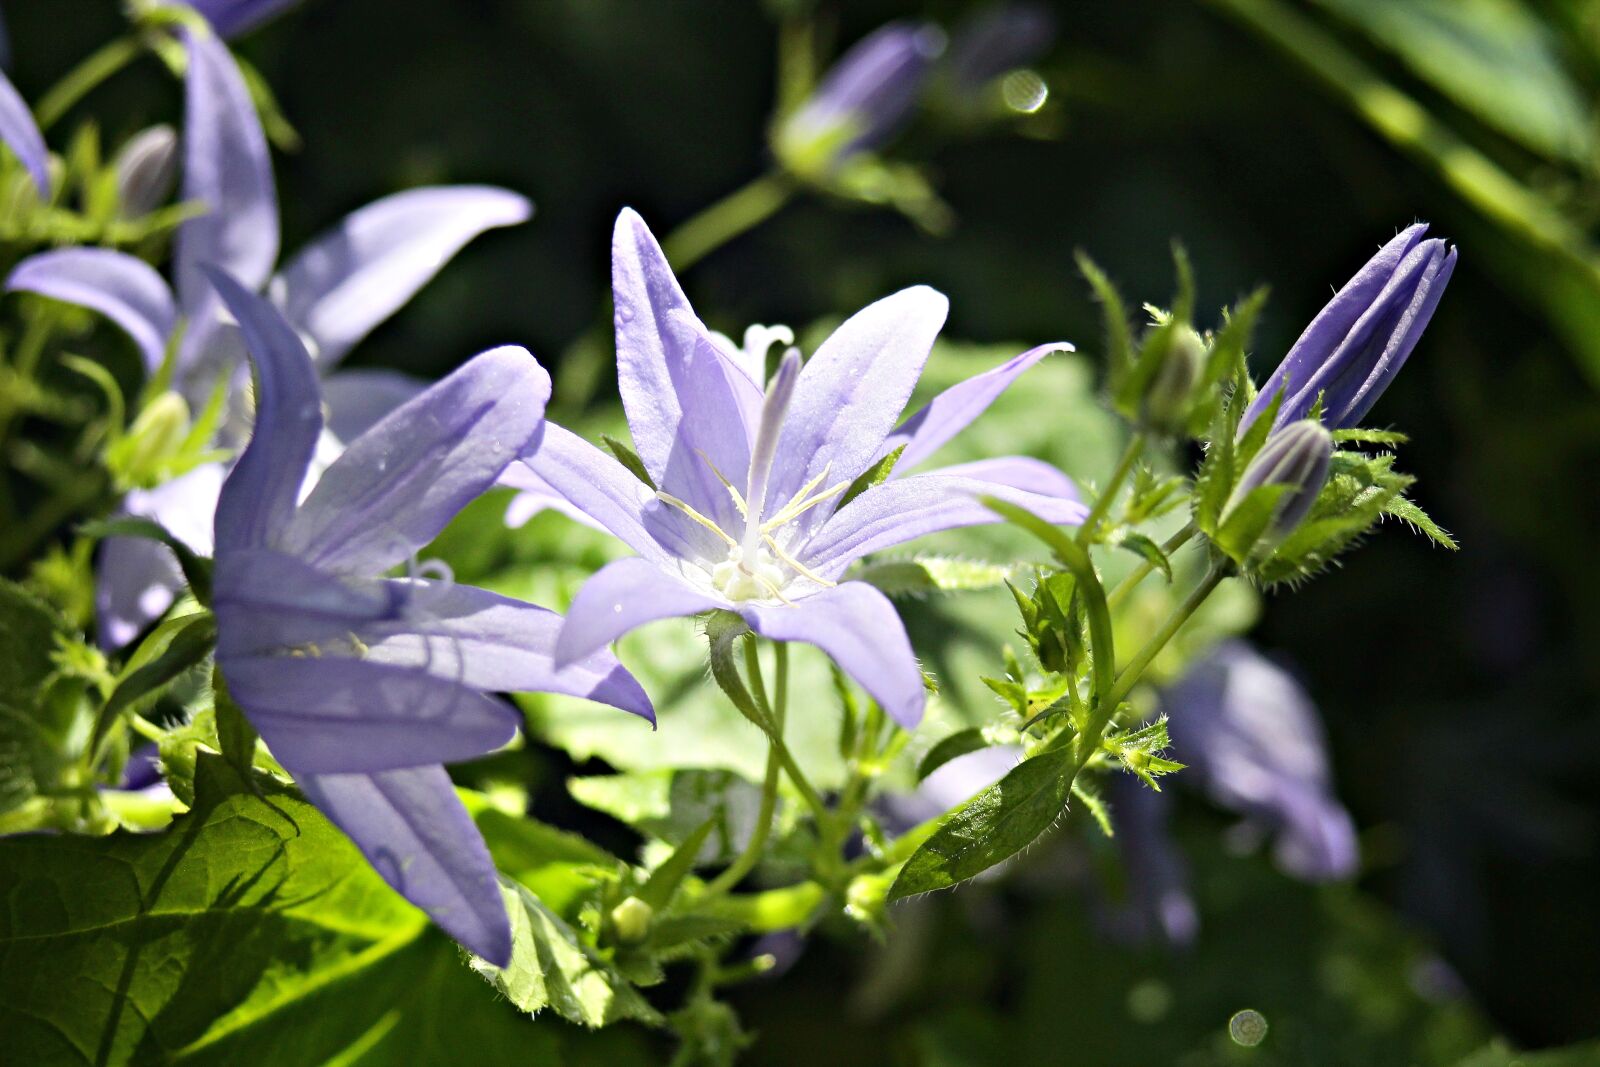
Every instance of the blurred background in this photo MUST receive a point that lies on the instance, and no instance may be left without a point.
(1281, 142)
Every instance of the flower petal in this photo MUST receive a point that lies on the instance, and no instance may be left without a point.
(227, 169)
(233, 17)
(690, 406)
(125, 290)
(1331, 326)
(349, 280)
(397, 485)
(21, 134)
(858, 628)
(954, 409)
(623, 596)
(608, 493)
(358, 399)
(258, 499)
(851, 392)
(137, 579)
(534, 495)
(267, 601)
(491, 642)
(414, 830)
(905, 508)
(1018, 472)
(328, 712)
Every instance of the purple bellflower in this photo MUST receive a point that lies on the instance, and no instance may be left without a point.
(333, 293)
(744, 514)
(863, 100)
(1155, 905)
(1254, 744)
(230, 18)
(363, 686)
(21, 134)
(1357, 343)
(996, 41)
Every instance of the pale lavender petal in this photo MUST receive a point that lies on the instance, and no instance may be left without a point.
(357, 399)
(905, 508)
(333, 712)
(608, 493)
(1158, 905)
(267, 601)
(227, 170)
(999, 39)
(233, 17)
(396, 486)
(534, 495)
(858, 628)
(869, 92)
(623, 596)
(688, 403)
(490, 642)
(258, 499)
(1018, 472)
(851, 392)
(125, 290)
(349, 280)
(137, 580)
(21, 134)
(414, 830)
(954, 409)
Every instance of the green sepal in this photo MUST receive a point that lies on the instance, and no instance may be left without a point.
(1144, 547)
(874, 475)
(629, 459)
(664, 881)
(196, 568)
(1119, 336)
(234, 733)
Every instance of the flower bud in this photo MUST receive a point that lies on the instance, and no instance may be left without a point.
(862, 101)
(866, 898)
(632, 919)
(155, 436)
(1297, 456)
(147, 171)
(1357, 344)
(1169, 396)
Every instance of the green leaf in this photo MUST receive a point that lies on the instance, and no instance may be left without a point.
(874, 475)
(993, 826)
(951, 747)
(1495, 58)
(629, 459)
(154, 947)
(182, 646)
(1362, 435)
(1086, 790)
(552, 967)
(34, 746)
(923, 575)
(235, 735)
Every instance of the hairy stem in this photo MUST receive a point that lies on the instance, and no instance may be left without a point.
(739, 211)
(747, 860)
(1108, 495)
(1131, 582)
(1181, 614)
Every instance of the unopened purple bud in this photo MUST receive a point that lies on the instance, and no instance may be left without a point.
(1297, 456)
(1357, 344)
(147, 171)
(230, 18)
(998, 40)
(862, 101)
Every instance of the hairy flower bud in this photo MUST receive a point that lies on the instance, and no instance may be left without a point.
(862, 101)
(147, 170)
(1357, 344)
(1169, 396)
(1297, 456)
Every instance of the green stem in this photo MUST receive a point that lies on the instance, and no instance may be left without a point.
(813, 799)
(747, 860)
(1103, 502)
(1135, 670)
(739, 211)
(83, 78)
(1131, 582)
